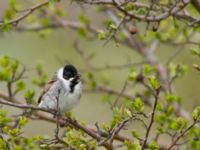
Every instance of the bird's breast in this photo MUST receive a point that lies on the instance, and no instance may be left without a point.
(69, 100)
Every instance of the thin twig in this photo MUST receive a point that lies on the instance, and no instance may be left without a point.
(151, 121)
(181, 135)
(120, 94)
(28, 12)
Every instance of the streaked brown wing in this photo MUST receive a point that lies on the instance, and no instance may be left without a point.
(47, 87)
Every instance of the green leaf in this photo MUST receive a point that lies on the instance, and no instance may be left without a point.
(181, 70)
(195, 52)
(12, 2)
(14, 66)
(83, 19)
(153, 145)
(154, 82)
(22, 121)
(68, 114)
(132, 75)
(117, 115)
(6, 26)
(92, 82)
(172, 69)
(138, 105)
(101, 35)
(3, 113)
(159, 107)
(14, 132)
(141, 11)
(129, 7)
(128, 112)
(43, 33)
(170, 98)
(4, 61)
(177, 70)
(134, 134)
(39, 69)
(20, 85)
(196, 113)
(113, 26)
(169, 110)
(132, 145)
(104, 127)
(147, 69)
(82, 32)
(195, 144)
(3, 144)
(160, 130)
(29, 97)
(41, 81)
(112, 123)
(9, 13)
(5, 129)
(5, 75)
(4, 120)
(177, 124)
(161, 118)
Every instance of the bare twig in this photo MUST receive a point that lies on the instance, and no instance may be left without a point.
(181, 135)
(28, 12)
(152, 120)
(120, 94)
(114, 132)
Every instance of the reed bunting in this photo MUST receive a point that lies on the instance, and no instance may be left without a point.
(63, 91)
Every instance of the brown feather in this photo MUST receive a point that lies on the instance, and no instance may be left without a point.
(47, 87)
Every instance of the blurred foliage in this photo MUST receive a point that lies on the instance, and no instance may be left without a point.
(154, 104)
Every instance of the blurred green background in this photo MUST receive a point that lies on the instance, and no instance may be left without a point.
(31, 49)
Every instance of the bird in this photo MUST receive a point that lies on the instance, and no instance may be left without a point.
(63, 92)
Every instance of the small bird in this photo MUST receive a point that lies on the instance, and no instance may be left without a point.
(63, 91)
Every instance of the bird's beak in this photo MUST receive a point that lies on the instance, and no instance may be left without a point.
(76, 78)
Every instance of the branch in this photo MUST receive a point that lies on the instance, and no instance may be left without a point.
(28, 12)
(181, 135)
(63, 121)
(148, 53)
(169, 12)
(114, 132)
(152, 119)
(196, 4)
